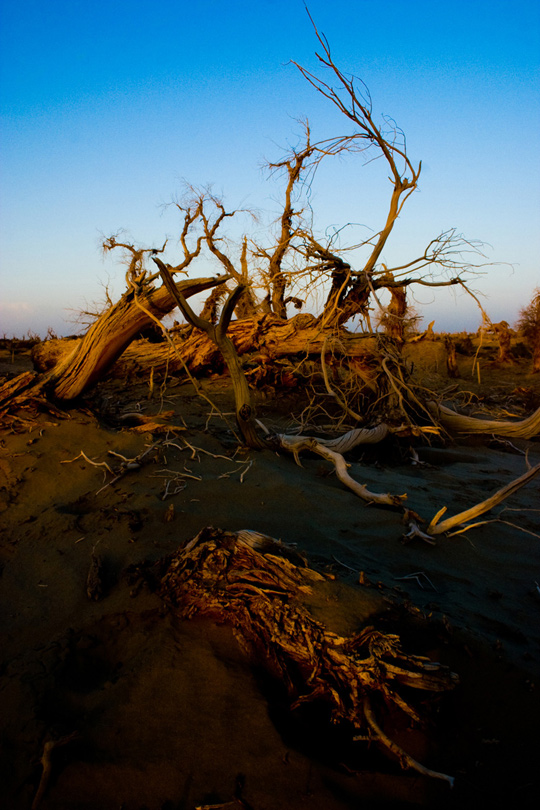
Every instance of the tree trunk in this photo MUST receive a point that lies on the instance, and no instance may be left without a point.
(90, 358)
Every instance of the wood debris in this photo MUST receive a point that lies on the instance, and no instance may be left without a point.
(223, 576)
(459, 423)
(462, 518)
(141, 423)
(324, 448)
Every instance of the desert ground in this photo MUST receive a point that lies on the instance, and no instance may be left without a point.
(162, 713)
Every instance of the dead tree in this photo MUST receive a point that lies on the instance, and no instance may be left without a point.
(294, 261)
(274, 277)
(351, 288)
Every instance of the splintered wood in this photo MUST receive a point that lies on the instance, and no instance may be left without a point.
(224, 576)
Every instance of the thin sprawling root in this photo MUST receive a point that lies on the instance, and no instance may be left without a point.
(224, 576)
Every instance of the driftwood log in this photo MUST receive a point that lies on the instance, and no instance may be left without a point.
(244, 580)
(333, 449)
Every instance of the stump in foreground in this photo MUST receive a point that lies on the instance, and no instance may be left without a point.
(223, 576)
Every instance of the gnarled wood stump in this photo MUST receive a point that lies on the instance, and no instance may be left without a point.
(223, 576)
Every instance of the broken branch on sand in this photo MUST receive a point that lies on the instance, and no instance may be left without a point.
(325, 448)
(436, 528)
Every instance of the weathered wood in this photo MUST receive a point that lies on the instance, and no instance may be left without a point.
(217, 333)
(463, 518)
(268, 336)
(458, 423)
(107, 338)
(225, 577)
(18, 385)
(295, 444)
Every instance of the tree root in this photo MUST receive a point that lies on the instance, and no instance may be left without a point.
(126, 464)
(221, 575)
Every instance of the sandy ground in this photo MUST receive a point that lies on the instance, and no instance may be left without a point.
(171, 714)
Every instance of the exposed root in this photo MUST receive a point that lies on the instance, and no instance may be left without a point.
(405, 760)
(416, 531)
(126, 464)
(221, 575)
(341, 402)
(83, 455)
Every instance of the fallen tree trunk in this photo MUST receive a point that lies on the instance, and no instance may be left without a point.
(86, 361)
(263, 340)
(268, 336)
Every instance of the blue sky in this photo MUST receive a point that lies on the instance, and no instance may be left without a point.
(107, 108)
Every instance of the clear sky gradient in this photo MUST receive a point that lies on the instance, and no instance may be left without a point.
(109, 107)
